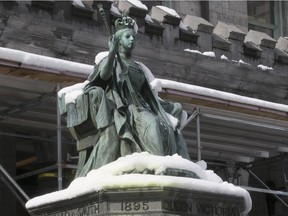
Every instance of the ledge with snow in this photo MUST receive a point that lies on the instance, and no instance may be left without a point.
(144, 184)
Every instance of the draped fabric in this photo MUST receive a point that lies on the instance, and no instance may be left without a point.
(123, 127)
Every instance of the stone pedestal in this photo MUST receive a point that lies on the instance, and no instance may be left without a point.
(145, 201)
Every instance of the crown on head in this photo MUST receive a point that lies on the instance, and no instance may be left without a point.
(125, 22)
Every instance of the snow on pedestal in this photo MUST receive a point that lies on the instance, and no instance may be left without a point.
(129, 172)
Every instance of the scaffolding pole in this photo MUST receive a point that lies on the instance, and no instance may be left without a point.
(59, 143)
(193, 115)
(198, 134)
(279, 198)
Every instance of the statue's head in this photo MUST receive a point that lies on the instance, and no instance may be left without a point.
(125, 22)
(126, 30)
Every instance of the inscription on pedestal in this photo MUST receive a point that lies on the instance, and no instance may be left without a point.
(136, 207)
(146, 202)
(80, 211)
(192, 207)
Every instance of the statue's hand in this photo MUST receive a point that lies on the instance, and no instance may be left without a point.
(107, 66)
(113, 44)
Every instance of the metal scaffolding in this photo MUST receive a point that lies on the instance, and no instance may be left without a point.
(59, 144)
(197, 115)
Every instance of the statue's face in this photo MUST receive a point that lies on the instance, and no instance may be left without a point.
(127, 39)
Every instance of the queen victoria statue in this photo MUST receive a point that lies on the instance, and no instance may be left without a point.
(118, 113)
(133, 159)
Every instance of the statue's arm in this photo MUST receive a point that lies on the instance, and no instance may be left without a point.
(96, 79)
(106, 67)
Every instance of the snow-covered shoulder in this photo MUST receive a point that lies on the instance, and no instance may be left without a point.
(124, 173)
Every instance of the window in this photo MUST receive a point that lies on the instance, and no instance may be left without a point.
(264, 16)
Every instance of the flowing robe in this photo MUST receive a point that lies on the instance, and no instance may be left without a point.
(121, 127)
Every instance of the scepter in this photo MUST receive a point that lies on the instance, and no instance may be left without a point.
(103, 16)
(90, 4)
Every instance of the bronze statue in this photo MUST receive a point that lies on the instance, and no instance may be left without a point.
(124, 115)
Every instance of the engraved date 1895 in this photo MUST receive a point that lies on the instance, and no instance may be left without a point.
(134, 206)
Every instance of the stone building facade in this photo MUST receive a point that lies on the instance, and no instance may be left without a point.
(250, 54)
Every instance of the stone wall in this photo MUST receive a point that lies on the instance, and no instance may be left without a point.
(55, 33)
(233, 12)
(188, 7)
(285, 17)
(62, 30)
